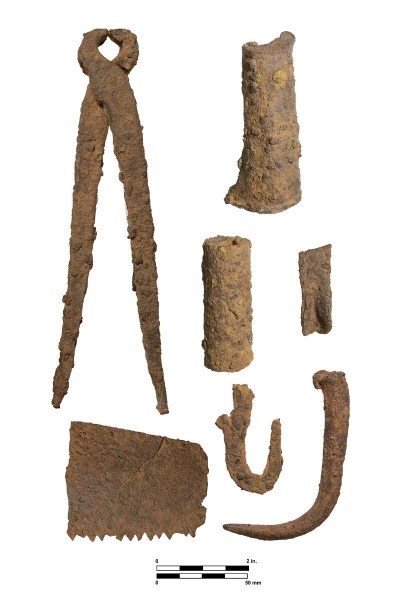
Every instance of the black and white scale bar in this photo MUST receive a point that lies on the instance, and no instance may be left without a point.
(203, 575)
(202, 568)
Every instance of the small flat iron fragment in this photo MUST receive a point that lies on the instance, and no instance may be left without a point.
(315, 281)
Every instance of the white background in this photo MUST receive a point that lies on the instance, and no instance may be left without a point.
(188, 88)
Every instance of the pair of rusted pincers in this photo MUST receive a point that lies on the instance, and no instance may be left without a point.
(110, 102)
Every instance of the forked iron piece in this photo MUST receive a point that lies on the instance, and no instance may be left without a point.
(235, 428)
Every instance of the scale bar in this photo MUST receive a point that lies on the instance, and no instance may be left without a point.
(201, 568)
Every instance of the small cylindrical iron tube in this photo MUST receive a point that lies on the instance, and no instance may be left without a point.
(227, 303)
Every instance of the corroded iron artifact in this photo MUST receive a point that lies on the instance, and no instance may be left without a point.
(315, 281)
(227, 303)
(123, 483)
(235, 428)
(269, 176)
(109, 102)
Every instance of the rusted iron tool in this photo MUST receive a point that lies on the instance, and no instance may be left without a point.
(110, 102)
(127, 483)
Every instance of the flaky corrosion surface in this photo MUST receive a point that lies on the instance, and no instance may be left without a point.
(269, 176)
(235, 428)
(315, 281)
(227, 303)
(122, 482)
(109, 101)
(337, 412)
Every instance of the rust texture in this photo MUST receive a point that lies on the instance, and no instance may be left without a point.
(109, 102)
(227, 303)
(123, 483)
(235, 428)
(269, 176)
(337, 411)
(315, 281)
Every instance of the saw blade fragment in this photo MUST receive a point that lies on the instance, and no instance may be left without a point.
(125, 483)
